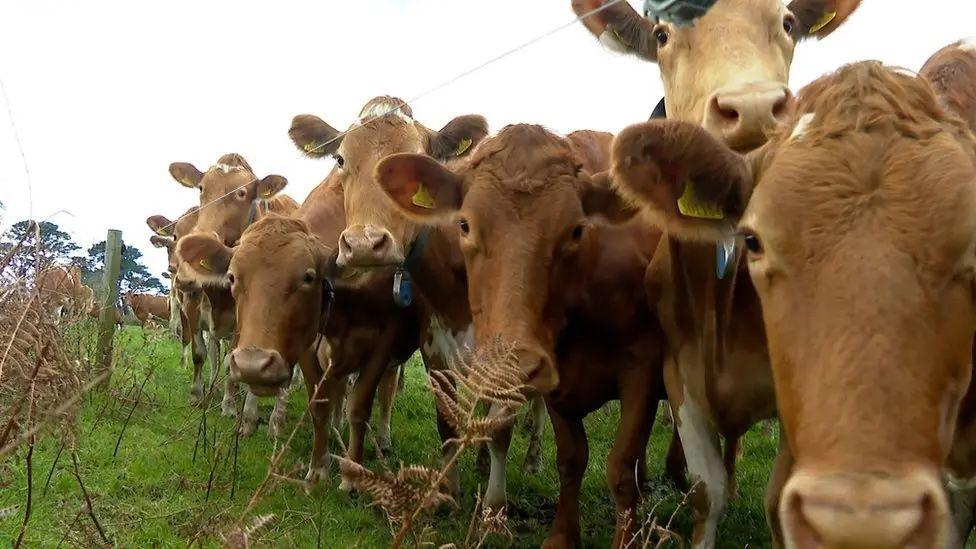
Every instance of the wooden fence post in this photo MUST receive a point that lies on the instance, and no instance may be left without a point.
(106, 315)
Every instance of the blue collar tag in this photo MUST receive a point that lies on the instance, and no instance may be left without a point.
(402, 288)
(724, 254)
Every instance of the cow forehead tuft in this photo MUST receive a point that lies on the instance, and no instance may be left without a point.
(382, 106)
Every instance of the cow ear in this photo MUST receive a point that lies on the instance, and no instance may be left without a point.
(821, 17)
(270, 186)
(599, 198)
(186, 174)
(205, 256)
(161, 241)
(420, 185)
(313, 136)
(618, 27)
(693, 185)
(458, 137)
(160, 225)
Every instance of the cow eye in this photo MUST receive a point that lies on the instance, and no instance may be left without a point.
(230, 278)
(577, 233)
(309, 276)
(789, 22)
(752, 243)
(662, 36)
(465, 228)
(339, 160)
(241, 193)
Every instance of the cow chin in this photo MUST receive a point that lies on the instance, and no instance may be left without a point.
(263, 390)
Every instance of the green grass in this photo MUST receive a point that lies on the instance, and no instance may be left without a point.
(153, 493)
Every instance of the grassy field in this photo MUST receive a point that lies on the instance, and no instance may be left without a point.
(152, 490)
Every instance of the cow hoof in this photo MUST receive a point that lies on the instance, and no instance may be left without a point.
(385, 445)
(312, 478)
(532, 464)
(247, 429)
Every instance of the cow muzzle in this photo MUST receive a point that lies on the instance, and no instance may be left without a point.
(367, 246)
(743, 116)
(265, 371)
(539, 369)
(864, 511)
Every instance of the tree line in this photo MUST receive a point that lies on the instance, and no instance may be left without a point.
(58, 248)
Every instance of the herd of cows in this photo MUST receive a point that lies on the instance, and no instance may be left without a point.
(749, 253)
(66, 296)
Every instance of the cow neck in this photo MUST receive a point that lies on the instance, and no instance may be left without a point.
(704, 300)
(439, 278)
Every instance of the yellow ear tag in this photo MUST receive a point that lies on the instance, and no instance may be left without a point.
(463, 146)
(310, 146)
(689, 205)
(824, 20)
(187, 182)
(423, 197)
(205, 265)
(267, 193)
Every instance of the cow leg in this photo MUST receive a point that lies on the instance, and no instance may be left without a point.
(228, 406)
(360, 405)
(249, 419)
(675, 467)
(387, 393)
(637, 411)
(700, 440)
(276, 424)
(197, 357)
(774, 489)
(536, 419)
(496, 496)
(733, 447)
(572, 455)
(319, 407)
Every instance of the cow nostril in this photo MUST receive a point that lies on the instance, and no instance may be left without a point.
(380, 242)
(725, 113)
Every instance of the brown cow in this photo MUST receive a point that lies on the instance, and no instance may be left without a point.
(378, 238)
(545, 269)
(231, 197)
(146, 306)
(59, 289)
(952, 73)
(729, 73)
(279, 277)
(860, 223)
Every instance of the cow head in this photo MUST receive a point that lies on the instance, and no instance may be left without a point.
(952, 72)
(274, 273)
(166, 233)
(377, 234)
(729, 71)
(518, 209)
(859, 220)
(231, 193)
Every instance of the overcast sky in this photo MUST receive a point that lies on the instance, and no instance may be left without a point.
(106, 94)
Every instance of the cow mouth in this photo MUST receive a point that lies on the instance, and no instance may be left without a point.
(265, 389)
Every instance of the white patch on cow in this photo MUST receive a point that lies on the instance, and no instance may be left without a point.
(380, 109)
(447, 343)
(802, 125)
(226, 168)
(610, 41)
(704, 457)
(968, 44)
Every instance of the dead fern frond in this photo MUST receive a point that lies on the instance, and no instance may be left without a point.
(242, 538)
(400, 495)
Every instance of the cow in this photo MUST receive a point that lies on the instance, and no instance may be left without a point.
(146, 306)
(858, 225)
(728, 73)
(547, 271)
(378, 239)
(57, 288)
(282, 276)
(952, 73)
(231, 197)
